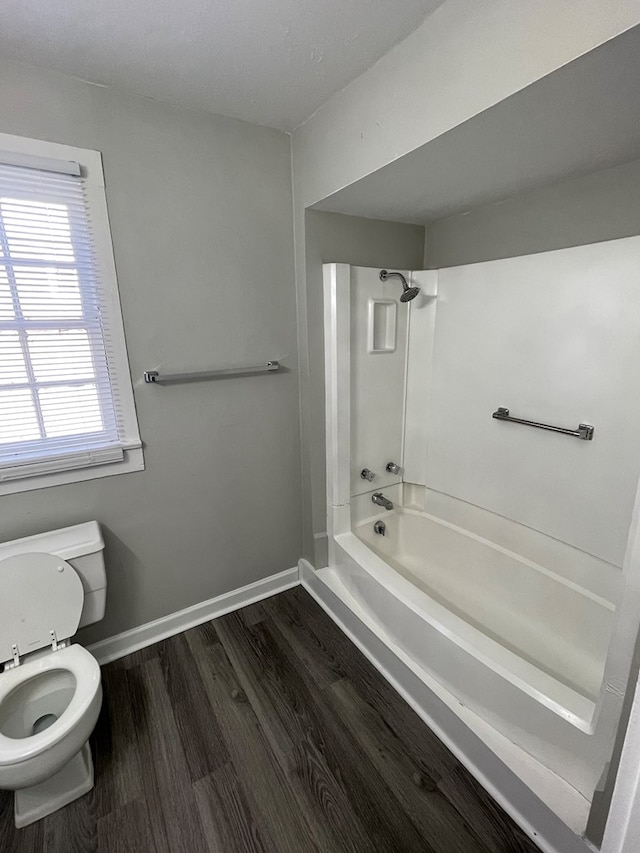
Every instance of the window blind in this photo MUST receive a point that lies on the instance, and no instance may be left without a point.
(59, 402)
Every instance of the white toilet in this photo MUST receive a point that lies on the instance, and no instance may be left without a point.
(50, 690)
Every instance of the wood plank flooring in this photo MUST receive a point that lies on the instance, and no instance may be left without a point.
(265, 731)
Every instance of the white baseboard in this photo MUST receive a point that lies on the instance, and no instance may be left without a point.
(545, 828)
(123, 644)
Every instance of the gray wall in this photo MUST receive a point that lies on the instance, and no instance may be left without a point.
(201, 217)
(332, 237)
(586, 209)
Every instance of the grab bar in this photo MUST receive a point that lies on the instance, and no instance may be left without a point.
(584, 431)
(152, 377)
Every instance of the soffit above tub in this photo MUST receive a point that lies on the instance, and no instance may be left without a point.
(582, 118)
(272, 63)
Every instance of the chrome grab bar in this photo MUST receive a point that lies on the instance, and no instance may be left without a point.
(584, 431)
(152, 377)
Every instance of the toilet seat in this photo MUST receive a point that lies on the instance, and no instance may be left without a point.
(41, 598)
(85, 669)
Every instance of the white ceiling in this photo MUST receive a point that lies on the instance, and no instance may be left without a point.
(272, 62)
(583, 117)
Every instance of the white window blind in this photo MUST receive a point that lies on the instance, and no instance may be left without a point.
(60, 399)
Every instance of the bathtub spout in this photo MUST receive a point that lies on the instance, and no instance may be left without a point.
(379, 499)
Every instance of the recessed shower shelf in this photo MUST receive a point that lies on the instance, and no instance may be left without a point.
(152, 377)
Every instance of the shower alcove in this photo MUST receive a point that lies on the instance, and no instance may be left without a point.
(503, 597)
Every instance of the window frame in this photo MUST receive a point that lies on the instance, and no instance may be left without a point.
(51, 470)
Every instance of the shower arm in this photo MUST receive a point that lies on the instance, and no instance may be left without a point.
(385, 274)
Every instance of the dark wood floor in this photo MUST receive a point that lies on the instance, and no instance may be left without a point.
(265, 731)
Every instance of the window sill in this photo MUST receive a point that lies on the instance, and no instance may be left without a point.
(133, 460)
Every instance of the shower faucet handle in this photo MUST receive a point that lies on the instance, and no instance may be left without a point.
(366, 474)
(392, 468)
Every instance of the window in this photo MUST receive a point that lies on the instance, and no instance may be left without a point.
(66, 403)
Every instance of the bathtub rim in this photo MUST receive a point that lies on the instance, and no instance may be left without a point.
(472, 641)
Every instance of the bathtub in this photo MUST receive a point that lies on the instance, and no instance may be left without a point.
(521, 645)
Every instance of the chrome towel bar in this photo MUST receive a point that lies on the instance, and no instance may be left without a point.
(152, 377)
(584, 431)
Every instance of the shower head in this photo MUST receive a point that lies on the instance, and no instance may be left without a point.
(408, 293)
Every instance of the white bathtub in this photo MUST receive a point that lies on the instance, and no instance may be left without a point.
(520, 645)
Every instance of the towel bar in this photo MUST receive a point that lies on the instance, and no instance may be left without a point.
(152, 377)
(584, 431)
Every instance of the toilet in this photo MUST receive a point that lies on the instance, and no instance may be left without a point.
(50, 688)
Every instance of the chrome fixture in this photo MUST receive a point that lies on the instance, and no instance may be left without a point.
(380, 528)
(408, 293)
(392, 468)
(584, 431)
(366, 474)
(379, 499)
(152, 377)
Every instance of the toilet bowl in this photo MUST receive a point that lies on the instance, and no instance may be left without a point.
(50, 689)
(48, 709)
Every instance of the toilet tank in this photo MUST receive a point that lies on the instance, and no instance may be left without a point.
(82, 547)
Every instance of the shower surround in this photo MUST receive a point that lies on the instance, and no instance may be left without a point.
(484, 588)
